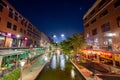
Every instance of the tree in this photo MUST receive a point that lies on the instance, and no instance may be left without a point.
(74, 43)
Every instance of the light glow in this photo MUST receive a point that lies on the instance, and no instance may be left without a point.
(22, 63)
(9, 34)
(62, 35)
(54, 36)
(18, 36)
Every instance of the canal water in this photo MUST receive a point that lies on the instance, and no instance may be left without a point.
(59, 68)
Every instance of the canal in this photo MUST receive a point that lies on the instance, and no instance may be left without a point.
(59, 68)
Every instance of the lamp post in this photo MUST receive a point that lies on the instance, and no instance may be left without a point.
(22, 63)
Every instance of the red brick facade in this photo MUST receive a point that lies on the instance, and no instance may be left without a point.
(102, 23)
(12, 24)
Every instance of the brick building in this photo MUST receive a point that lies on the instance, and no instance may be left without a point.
(102, 24)
(16, 30)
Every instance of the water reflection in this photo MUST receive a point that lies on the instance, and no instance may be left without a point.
(58, 60)
(73, 73)
(53, 62)
(62, 62)
(58, 57)
(67, 58)
(60, 69)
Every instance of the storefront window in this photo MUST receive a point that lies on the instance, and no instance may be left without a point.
(2, 40)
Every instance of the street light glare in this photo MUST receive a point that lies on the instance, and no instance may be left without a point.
(62, 35)
(54, 36)
(18, 36)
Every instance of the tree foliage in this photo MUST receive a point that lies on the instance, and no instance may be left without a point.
(73, 44)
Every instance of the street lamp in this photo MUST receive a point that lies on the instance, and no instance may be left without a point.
(62, 35)
(54, 36)
(22, 63)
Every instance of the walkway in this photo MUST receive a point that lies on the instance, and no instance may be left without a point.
(85, 72)
(32, 72)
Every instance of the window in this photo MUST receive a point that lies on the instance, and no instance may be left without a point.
(87, 25)
(16, 13)
(21, 30)
(105, 27)
(9, 25)
(14, 27)
(94, 31)
(118, 21)
(104, 13)
(1, 2)
(10, 13)
(117, 4)
(102, 3)
(24, 31)
(20, 17)
(10, 9)
(1, 8)
(29, 26)
(28, 33)
(22, 21)
(93, 11)
(16, 18)
(25, 23)
(93, 21)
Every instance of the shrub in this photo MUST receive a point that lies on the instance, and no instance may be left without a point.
(14, 75)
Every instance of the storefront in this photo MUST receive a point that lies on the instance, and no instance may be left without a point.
(2, 39)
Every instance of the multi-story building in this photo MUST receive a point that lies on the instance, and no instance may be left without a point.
(15, 29)
(102, 24)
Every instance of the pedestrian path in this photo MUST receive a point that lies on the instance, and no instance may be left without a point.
(85, 72)
(32, 72)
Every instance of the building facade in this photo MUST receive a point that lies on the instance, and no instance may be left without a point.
(102, 24)
(15, 29)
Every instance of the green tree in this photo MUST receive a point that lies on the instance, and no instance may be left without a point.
(74, 43)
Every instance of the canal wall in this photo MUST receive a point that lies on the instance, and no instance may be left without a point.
(85, 72)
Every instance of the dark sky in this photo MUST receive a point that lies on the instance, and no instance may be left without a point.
(54, 16)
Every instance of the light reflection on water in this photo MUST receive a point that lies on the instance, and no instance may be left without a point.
(59, 69)
(73, 73)
(62, 62)
(53, 62)
(58, 61)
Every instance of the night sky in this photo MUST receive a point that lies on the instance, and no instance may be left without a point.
(54, 16)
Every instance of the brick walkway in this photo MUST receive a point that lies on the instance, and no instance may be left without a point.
(32, 72)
